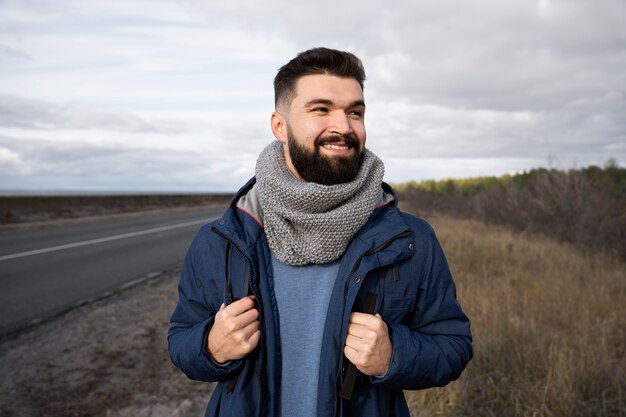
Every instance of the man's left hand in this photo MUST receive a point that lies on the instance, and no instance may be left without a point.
(368, 345)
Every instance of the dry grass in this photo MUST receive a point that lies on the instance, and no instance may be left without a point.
(549, 327)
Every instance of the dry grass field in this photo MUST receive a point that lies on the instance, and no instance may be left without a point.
(549, 327)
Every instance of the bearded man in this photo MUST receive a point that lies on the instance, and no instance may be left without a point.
(314, 295)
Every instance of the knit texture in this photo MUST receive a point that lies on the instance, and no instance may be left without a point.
(309, 223)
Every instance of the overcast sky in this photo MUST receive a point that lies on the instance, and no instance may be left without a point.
(176, 95)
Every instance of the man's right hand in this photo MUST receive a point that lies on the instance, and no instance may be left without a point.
(235, 332)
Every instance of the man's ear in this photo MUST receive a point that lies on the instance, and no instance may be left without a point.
(279, 126)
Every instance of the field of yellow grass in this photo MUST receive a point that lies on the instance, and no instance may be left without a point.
(549, 327)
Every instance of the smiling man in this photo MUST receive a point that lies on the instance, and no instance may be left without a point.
(314, 295)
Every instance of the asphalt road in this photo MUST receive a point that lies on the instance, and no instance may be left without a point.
(46, 270)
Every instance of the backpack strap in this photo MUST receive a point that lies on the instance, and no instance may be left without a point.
(235, 287)
(352, 372)
(236, 274)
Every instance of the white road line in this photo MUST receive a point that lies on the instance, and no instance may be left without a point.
(102, 239)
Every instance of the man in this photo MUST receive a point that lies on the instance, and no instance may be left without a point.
(344, 300)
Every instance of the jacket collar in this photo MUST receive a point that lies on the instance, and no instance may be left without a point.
(243, 225)
(243, 228)
(385, 222)
(386, 234)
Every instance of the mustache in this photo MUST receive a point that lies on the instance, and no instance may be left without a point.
(349, 140)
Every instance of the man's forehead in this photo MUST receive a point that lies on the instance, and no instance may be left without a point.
(327, 87)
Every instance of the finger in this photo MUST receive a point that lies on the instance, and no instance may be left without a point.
(250, 328)
(363, 318)
(249, 340)
(233, 324)
(372, 322)
(351, 353)
(357, 344)
(364, 334)
(247, 317)
(254, 338)
(358, 330)
(368, 330)
(237, 307)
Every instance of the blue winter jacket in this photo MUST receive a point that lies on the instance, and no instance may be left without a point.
(395, 255)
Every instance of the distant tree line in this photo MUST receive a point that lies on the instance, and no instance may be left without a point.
(586, 206)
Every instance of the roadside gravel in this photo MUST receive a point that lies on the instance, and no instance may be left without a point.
(106, 358)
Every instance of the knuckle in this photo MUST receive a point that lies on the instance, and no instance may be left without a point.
(249, 345)
(361, 361)
(239, 338)
(249, 302)
(230, 326)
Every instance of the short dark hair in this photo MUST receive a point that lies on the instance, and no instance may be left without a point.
(316, 61)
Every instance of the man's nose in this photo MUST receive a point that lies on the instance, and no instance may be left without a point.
(340, 124)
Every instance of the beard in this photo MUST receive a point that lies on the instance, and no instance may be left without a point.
(320, 169)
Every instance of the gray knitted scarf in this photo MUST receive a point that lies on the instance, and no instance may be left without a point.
(309, 223)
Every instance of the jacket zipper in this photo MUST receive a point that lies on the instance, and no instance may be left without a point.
(345, 294)
(229, 242)
(228, 292)
(258, 302)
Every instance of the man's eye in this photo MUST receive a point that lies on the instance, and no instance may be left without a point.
(356, 113)
(320, 110)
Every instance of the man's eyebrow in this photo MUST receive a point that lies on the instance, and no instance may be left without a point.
(358, 103)
(324, 101)
(317, 101)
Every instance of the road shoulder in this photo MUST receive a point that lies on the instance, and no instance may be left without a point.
(106, 358)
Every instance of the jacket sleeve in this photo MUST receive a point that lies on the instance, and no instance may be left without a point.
(199, 298)
(435, 345)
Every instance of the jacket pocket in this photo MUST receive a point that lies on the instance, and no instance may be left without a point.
(373, 400)
(396, 310)
(400, 292)
(244, 399)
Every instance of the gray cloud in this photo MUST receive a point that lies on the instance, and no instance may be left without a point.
(454, 88)
(42, 164)
(9, 54)
(502, 55)
(37, 114)
(475, 79)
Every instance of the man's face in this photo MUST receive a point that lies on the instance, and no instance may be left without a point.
(324, 129)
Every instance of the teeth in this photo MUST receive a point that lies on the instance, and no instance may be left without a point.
(335, 146)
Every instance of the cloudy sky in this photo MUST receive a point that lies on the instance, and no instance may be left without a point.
(156, 95)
